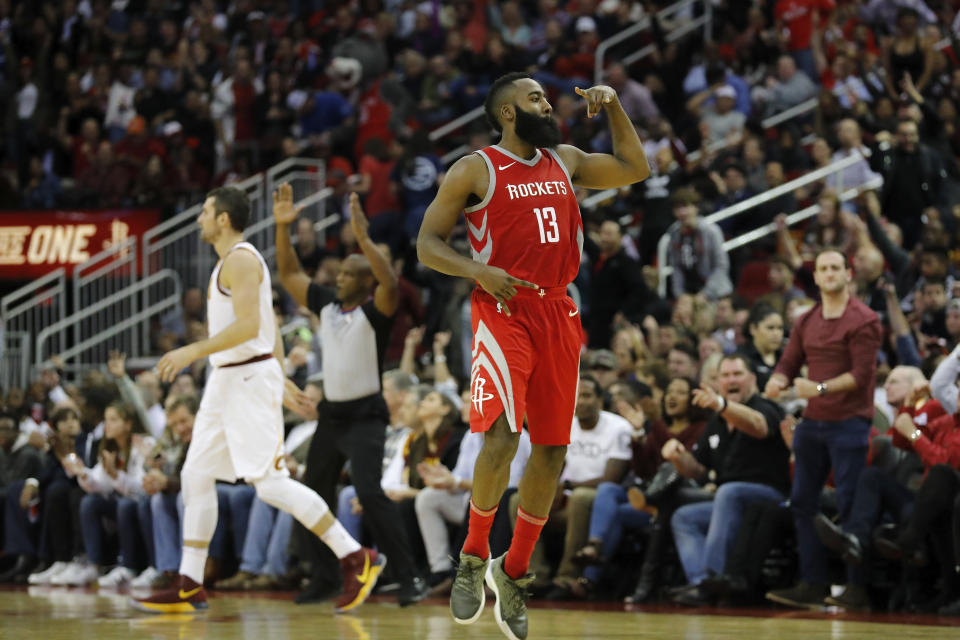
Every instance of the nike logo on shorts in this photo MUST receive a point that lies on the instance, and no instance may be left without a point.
(574, 312)
(501, 167)
(248, 378)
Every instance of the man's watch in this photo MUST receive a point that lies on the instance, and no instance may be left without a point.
(822, 388)
(915, 435)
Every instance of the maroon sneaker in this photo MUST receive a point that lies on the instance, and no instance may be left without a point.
(360, 570)
(185, 596)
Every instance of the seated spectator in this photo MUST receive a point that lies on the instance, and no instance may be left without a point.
(937, 442)
(599, 451)
(683, 362)
(695, 251)
(42, 191)
(790, 88)
(851, 142)
(24, 488)
(113, 487)
(613, 512)
(721, 122)
(764, 346)
(662, 488)
(742, 453)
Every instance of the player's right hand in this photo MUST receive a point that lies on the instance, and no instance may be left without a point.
(501, 285)
(283, 209)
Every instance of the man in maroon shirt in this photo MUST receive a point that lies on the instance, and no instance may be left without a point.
(838, 340)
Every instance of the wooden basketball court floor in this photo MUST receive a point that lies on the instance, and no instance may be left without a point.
(44, 613)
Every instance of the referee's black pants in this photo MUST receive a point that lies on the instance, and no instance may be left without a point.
(355, 430)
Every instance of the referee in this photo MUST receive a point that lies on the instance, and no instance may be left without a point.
(355, 322)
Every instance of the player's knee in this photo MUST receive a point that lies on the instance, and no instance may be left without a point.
(550, 456)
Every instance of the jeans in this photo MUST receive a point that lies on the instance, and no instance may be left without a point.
(60, 535)
(611, 514)
(145, 522)
(234, 502)
(17, 529)
(166, 514)
(268, 533)
(818, 445)
(93, 508)
(705, 532)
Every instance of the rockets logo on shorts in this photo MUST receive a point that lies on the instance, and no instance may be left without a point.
(488, 358)
(479, 397)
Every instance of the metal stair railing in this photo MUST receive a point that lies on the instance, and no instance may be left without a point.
(837, 168)
(40, 303)
(103, 339)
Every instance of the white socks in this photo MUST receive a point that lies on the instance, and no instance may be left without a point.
(193, 562)
(339, 541)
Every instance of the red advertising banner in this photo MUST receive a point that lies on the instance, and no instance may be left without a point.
(33, 243)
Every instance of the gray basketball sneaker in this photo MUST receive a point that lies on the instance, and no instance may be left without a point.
(467, 596)
(510, 608)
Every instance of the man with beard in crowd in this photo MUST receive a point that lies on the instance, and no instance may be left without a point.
(525, 228)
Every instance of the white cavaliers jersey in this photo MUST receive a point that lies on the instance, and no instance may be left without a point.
(220, 314)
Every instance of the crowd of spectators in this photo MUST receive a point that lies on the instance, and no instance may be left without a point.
(134, 103)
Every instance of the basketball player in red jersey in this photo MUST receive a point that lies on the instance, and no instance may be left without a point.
(526, 237)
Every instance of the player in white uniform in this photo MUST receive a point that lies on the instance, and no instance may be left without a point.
(238, 431)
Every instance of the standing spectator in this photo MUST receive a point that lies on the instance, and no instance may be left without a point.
(417, 174)
(907, 54)
(695, 251)
(794, 22)
(616, 284)
(636, 98)
(913, 175)
(838, 340)
(232, 110)
(382, 205)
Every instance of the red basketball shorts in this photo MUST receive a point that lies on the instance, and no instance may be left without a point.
(526, 364)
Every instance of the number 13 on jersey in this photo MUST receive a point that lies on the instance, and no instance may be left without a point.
(550, 232)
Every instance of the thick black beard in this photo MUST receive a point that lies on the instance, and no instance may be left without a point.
(536, 131)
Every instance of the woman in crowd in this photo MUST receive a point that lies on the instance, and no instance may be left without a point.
(764, 346)
(113, 488)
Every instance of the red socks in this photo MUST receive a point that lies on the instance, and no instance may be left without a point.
(525, 537)
(478, 532)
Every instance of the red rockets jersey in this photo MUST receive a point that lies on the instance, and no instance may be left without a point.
(528, 224)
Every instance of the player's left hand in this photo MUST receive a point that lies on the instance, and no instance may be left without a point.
(298, 401)
(596, 97)
(173, 362)
(358, 220)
